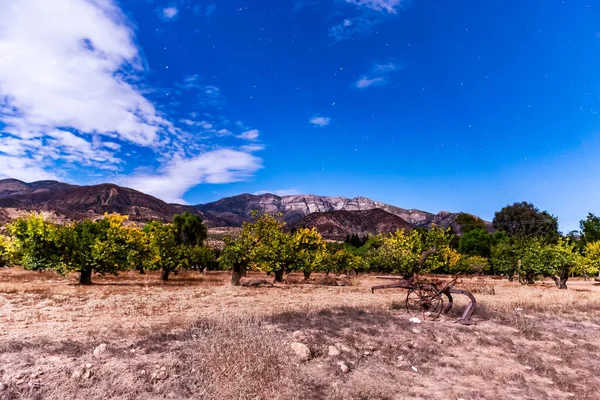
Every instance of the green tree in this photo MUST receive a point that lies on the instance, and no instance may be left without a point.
(560, 260)
(236, 257)
(469, 264)
(476, 242)
(165, 252)
(525, 220)
(504, 259)
(591, 258)
(342, 260)
(8, 251)
(189, 229)
(309, 249)
(37, 242)
(468, 222)
(271, 248)
(412, 253)
(590, 228)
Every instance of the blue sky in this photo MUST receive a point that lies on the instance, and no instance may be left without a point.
(436, 105)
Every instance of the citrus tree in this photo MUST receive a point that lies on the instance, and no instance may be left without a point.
(8, 251)
(309, 249)
(37, 242)
(591, 262)
(412, 253)
(165, 253)
(271, 249)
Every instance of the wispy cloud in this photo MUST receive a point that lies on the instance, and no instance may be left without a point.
(249, 135)
(366, 82)
(281, 192)
(364, 17)
(378, 76)
(175, 179)
(389, 6)
(320, 121)
(170, 12)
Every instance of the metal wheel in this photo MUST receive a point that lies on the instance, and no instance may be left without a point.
(424, 303)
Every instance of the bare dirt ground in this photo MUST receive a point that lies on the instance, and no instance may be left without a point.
(197, 337)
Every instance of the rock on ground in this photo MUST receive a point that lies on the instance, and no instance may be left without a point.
(301, 350)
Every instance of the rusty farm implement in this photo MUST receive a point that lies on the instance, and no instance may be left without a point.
(425, 298)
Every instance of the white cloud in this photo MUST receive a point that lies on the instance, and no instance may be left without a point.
(378, 76)
(366, 82)
(72, 93)
(24, 169)
(368, 14)
(385, 68)
(320, 121)
(249, 135)
(170, 12)
(174, 180)
(281, 192)
(390, 6)
(62, 66)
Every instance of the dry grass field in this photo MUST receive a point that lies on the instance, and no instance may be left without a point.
(197, 337)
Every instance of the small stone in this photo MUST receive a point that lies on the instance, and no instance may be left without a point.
(100, 350)
(298, 335)
(76, 374)
(415, 330)
(342, 347)
(87, 374)
(20, 381)
(414, 320)
(143, 372)
(89, 366)
(333, 351)
(132, 351)
(400, 358)
(367, 353)
(439, 340)
(344, 367)
(414, 368)
(301, 350)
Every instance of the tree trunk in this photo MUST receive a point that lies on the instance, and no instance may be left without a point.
(236, 275)
(306, 275)
(279, 276)
(165, 275)
(86, 277)
(142, 271)
(561, 281)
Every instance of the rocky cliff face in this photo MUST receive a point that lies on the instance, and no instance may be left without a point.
(238, 209)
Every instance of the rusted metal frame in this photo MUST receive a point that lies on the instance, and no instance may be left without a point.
(447, 290)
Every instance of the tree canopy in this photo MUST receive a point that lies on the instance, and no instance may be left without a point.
(525, 220)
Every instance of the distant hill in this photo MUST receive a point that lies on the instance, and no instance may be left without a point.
(78, 202)
(336, 225)
(63, 202)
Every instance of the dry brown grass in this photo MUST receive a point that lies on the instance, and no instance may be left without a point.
(197, 337)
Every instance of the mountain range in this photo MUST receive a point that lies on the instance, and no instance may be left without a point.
(334, 217)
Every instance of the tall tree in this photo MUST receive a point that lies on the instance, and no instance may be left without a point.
(189, 229)
(525, 220)
(590, 228)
